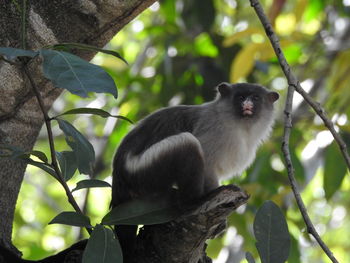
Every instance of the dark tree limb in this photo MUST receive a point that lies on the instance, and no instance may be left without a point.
(183, 240)
(179, 241)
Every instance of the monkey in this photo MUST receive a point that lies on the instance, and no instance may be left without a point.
(192, 147)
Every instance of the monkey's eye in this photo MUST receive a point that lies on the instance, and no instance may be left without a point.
(241, 97)
(256, 98)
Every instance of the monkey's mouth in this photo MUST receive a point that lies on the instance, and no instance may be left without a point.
(247, 112)
(247, 109)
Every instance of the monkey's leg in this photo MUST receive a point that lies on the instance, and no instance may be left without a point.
(174, 161)
(211, 182)
(127, 238)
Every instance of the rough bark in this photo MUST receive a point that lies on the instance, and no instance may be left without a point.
(183, 240)
(179, 241)
(48, 22)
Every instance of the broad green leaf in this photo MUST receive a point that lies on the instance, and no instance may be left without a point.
(72, 219)
(243, 63)
(82, 148)
(230, 41)
(293, 53)
(42, 166)
(78, 76)
(94, 111)
(40, 155)
(313, 9)
(68, 164)
(168, 8)
(204, 46)
(102, 247)
(90, 184)
(147, 211)
(334, 170)
(13, 53)
(271, 233)
(88, 47)
(14, 152)
(249, 257)
(300, 9)
(26, 155)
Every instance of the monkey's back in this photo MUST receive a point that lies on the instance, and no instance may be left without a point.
(152, 129)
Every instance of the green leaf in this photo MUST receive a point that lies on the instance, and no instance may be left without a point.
(313, 9)
(72, 219)
(42, 166)
(78, 76)
(102, 247)
(82, 148)
(68, 164)
(88, 47)
(14, 152)
(243, 63)
(204, 46)
(249, 257)
(334, 170)
(26, 155)
(13, 53)
(146, 211)
(90, 184)
(94, 111)
(271, 233)
(40, 155)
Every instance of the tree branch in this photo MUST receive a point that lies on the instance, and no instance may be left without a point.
(295, 85)
(171, 242)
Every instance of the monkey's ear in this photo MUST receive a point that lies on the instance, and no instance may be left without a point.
(224, 88)
(273, 96)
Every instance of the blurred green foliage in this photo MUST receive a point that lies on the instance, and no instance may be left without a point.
(178, 51)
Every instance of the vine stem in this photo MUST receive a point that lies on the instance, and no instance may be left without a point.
(54, 163)
(294, 85)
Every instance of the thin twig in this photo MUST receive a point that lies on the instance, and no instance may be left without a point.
(54, 163)
(295, 85)
(293, 81)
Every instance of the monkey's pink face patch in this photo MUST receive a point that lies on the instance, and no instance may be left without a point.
(247, 107)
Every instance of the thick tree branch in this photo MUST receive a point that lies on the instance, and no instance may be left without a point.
(171, 242)
(295, 85)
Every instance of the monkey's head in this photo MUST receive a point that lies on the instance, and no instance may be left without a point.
(247, 101)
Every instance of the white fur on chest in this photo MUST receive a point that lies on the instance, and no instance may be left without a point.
(233, 150)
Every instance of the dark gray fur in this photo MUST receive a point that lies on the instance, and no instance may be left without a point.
(225, 136)
(219, 141)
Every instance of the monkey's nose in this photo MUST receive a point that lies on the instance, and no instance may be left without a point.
(247, 107)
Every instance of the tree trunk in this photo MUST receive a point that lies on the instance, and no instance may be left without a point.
(48, 22)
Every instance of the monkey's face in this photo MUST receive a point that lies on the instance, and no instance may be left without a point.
(247, 104)
(248, 101)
